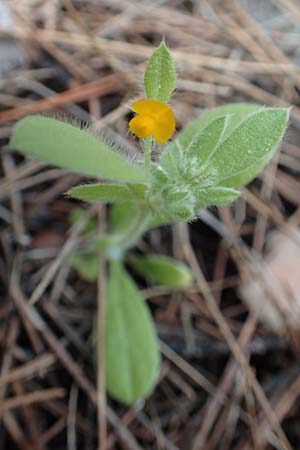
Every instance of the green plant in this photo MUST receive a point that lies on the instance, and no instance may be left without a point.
(206, 164)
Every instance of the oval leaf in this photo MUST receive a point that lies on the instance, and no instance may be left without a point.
(256, 138)
(66, 146)
(178, 161)
(217, 195)
(120, 217)
(237, 112)
(245, 176)
(132, 358)
(160, 75)
(107, 193)
(162, 270)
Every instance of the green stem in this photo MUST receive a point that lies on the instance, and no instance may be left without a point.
(116, 244)
(148, 149)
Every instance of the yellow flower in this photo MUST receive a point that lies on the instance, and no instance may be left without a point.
(154, 118)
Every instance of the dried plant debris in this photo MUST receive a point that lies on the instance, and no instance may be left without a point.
(85, 59)
(273, 291)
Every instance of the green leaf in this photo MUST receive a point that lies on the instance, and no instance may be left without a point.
(237, 112)
(204, 143)
(253, 140)
(248, 141)
(107, 193)
(244, 177)
(176, 160)
(162, 270)
(201, 137)
(217, 195)
(138, 190)
(132, 358)
(120, 217)
(66, 146)
(160, 74)
(87, 265)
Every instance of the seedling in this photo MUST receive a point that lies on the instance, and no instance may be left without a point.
(205, 164)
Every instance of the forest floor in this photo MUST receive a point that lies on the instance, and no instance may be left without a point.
(230, 376)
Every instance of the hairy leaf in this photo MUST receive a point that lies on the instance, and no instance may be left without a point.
(183, 162)
(255, 139)
(250, 136)
(236, 111)
(132, 358)
(245, 176)
(107, 193)
(138, 190)
(160, 75)
(120, 217)
(217, 195)
(66, 146)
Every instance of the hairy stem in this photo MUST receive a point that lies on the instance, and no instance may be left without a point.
(148, 150)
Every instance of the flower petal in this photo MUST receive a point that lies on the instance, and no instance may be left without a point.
(149, 106)
(165, 126)
(142, 126)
